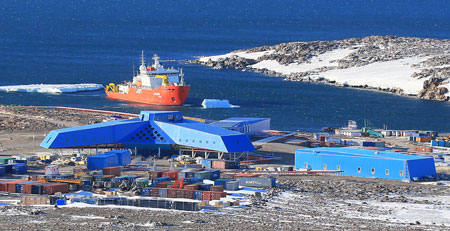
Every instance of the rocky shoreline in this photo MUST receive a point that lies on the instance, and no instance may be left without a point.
(433, 69)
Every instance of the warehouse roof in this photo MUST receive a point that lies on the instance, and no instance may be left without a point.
(236, 121)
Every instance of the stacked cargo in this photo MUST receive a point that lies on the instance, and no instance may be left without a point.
(225, 164)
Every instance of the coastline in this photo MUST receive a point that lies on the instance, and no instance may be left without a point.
(404, 66)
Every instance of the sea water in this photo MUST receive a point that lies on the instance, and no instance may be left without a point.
(68, 42)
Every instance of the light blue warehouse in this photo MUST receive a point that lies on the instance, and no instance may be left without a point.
(249, 126)
(366, 163)
(151, 128)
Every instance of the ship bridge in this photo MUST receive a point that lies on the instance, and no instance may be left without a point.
(151, 128)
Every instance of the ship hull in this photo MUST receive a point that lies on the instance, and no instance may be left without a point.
(164, 95)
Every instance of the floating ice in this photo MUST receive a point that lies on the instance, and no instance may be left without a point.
(217, 103)
(52, 88)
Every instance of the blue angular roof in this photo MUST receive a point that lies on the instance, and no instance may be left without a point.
(152, 127)
(236, 122)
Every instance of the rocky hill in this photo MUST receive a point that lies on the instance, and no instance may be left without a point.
(401, 65)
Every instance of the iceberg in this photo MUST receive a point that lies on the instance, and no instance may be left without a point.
(217, 103)
(52, 88)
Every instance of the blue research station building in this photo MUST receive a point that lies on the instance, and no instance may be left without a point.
(366, 163)
(160, 128)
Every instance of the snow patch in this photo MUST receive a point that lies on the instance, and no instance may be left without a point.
(52, 88)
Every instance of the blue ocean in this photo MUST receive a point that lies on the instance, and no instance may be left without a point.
(98, 41)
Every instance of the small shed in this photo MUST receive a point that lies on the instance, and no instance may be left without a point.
(366, 163)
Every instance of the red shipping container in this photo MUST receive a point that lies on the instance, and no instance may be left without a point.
(51, 189)
(197, 169)
(154, 192)
(155, 174)
(218, 164)
(27, 187)
(216, 188)
(189, 194)
(245, 175)
(191, 187)
(115, 171)
(172, 174)
(3, 187)
(162, 184)
(172, 193)
(216, 195)
(11, 186)
(206, 196)
(180, 193)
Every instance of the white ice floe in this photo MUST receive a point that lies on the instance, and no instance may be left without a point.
(217, 103)
(251, 55)
(52, 88)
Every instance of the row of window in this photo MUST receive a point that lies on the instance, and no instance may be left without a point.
(338, 168)
(199, 141)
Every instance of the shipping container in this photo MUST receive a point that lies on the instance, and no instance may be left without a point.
(124, 156)
(189, 194)
(216, 195)
(160, 179)
(155, 174)
(51, 189)
(11, 185)
(172, 193)
(6, 160)
(37, 188)
(215, 174)
(232, 185)
(162, 184)
(7, 167)
(172, 174)
(193, 180)
(19, 168)
(198, 195)
(101, 161)
(112, 170)
(217, 188)
(206, 175)
(206, 196)
(256, 181)
(2, 171)
(154, 192)
(162, 192)
(3, 185)
(33, 200)
(20, 186)
(180, 193)
(204, 187)
(221, 181)
(191, 187)
(224, 164)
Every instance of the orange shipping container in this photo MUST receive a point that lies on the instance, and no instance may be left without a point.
(11, 186)
(51, 189)
(206, 196)
(112, 171)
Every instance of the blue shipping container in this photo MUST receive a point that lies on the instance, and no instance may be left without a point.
(19, 186)
(441, 143)
(162, 192)
(160, 179)
(206, 163)
(19, 169)
(222, 182)
(101, 161)
(232, 185)
(198, 195)
(204, 187)
(7, 167)
(215, 174)
(124, 156)
(2, 171)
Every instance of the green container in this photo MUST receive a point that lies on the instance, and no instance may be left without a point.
(6, 160)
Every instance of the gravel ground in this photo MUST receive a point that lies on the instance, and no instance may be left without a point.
(299, 203)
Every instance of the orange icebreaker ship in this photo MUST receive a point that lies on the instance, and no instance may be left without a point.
(153, 85)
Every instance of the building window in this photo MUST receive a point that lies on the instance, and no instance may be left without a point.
(193, 141)
(324, 167)
(373, 171)
(338, 168)
(200, 141)
(179, 140)
(214, 142)
(187, 140)
(206, 141)
(306, 165)
(401, 173)
(387, 172)
(359, 169)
